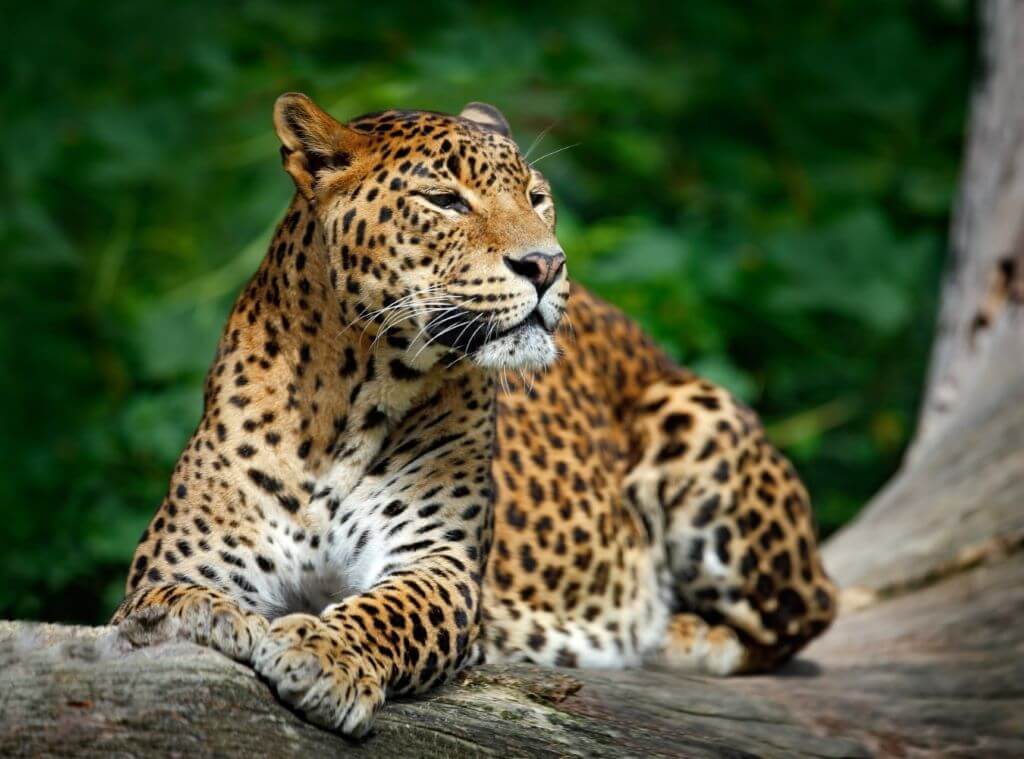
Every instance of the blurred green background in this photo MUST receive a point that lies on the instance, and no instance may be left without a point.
(764, 185)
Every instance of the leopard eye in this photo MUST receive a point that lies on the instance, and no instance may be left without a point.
(449, 201)
(537, 198)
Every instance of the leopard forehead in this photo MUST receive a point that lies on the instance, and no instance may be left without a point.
(375, 217)
(432, 145)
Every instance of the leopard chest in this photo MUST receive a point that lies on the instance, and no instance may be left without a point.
(351, 511)
(341, 541)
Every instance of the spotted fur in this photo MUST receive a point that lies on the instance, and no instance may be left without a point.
(330, 521)
(642, 517)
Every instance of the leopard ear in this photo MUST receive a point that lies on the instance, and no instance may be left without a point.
(487, 116)
(312, 141)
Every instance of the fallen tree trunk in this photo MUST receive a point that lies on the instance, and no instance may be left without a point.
(936, 670)
(926, 656)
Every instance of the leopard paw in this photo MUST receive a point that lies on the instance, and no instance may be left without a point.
(692, 645)
(211, 622)
(313, 670)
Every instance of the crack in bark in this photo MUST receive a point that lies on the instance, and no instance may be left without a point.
(993, 550)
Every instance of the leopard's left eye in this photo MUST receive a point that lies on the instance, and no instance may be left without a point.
(450, 201)
(537, 198)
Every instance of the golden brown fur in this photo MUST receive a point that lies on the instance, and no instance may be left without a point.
(330, 521)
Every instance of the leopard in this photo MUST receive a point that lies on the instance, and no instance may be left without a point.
(422, 448)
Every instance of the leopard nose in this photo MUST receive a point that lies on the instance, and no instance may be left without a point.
(542, 269)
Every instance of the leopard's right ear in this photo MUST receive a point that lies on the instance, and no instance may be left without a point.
(313, 143)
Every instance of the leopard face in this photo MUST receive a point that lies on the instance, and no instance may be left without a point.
(455, 231)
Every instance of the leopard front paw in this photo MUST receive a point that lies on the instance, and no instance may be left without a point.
(315, 670)
(211, 622)
(235, 633)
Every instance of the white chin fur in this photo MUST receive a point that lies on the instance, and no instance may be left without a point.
(529, 348)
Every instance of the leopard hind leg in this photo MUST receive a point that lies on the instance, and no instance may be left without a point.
(740, 566)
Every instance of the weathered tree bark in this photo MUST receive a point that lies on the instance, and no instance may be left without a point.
(960, 494)
(926, 657)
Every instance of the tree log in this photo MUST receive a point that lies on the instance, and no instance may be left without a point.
(926, 656)
(935, 670)
(961, 490)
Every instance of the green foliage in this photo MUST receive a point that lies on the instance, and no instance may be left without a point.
(764, 185)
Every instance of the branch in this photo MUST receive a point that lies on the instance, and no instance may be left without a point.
(935, 670)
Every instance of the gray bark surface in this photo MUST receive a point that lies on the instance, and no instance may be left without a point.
(927, 656)
(937, 670)
(961, 490)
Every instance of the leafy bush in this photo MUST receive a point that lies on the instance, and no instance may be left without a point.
(764, 185)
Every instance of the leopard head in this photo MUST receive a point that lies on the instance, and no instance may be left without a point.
(437, 230)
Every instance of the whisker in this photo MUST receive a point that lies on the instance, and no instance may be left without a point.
(491, 326)
(537, 140)
(393, 316)
(410, 312)
(407, 297)
(468, 325)
(405, 302)
(571, 331)
(483, 324)
(434, 323)
(553, 152)
(398, 305)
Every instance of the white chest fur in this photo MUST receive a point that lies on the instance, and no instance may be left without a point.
(338, 544)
